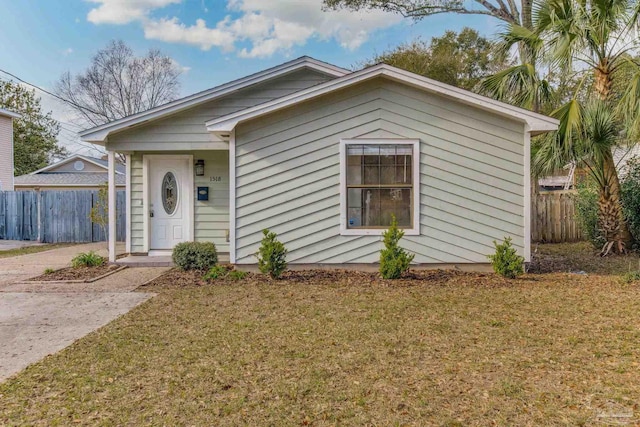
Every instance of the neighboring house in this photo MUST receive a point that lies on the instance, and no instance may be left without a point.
(6, 149)
(73, 173)
(566, 178)
(324, 157)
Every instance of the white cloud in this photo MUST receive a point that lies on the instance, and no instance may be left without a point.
(265, 27)
(124, 11)
(172, 31)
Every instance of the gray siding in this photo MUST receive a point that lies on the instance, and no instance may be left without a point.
(6, 154)
(187, 128)
(186, 131)
(471, 176)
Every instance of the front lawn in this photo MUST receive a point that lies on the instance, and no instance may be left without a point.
(459, 349)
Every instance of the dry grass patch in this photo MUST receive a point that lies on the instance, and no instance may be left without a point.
(461, 349)
(32, 249)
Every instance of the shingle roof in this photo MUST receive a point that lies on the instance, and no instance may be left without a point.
(62, 179)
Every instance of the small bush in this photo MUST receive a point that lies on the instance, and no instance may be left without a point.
(216, 272)
(272, 255)
(506, 261)
(237, 275)
(88, 259)
(630, 277)
(195, 255)
(394, 260)
(630, 189)
(49, 270)
(586, 202)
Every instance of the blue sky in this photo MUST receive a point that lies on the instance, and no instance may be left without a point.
(213, 40)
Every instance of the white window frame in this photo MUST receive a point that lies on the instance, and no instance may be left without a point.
(344, 230)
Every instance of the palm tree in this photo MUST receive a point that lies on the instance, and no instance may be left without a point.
(594, 40)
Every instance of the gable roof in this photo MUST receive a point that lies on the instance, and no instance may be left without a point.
(10, 114)
(120, 168)
(99, 134)
(537, 123)
(66, 179)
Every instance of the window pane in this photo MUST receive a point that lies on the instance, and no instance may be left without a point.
(354, 198)
(403, 174)
(396, 201)
(371, 154)
(354, 150)
(354, 217)
(371, 175)
(387, 154)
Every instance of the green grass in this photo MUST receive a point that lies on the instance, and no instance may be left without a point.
(552, 349)
(32, 249)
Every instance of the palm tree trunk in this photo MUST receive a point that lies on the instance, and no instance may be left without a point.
(610, 216)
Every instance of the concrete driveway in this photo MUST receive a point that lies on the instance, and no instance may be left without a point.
(34, 325)
(40, 319)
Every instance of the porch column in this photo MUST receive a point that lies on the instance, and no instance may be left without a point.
(112, 205)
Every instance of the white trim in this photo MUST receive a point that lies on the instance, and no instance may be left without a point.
(69, 160)
(6, 113)
(232, 197)
(527, 194)
(145, 204)
(344, 230)
(112, 205)
(538, 123)
(145, 195)
(128, 203)
(99, 134)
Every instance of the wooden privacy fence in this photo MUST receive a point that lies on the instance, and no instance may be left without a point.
(55, 216)
(553, 217)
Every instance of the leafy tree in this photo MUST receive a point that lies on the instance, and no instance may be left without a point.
(460, 59)
(35, 133)
(118, 84)
(592, 41)
(394, 260)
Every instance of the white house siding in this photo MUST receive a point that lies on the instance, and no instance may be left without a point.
(471, 173)
(6, 154)
(211, 217)
(187, 128)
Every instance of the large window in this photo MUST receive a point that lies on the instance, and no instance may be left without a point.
(379, 180)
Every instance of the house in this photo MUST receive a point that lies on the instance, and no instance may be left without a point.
(6, 149)
(324, 157)
(73, 173)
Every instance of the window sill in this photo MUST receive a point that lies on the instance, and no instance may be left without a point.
(375, 232)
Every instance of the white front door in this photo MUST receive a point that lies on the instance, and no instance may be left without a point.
(170, 188)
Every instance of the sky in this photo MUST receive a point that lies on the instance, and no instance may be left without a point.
(213, 41)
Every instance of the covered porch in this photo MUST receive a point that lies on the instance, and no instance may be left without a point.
(171, 197)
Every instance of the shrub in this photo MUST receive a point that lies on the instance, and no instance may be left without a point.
(272, 255)
(506, 261)
(394, 260)
(216, 272)
(630, 277)
(630, 189)
(88, 259)
(49, 270)
(195, 255)
(237, 275)
(586, 202)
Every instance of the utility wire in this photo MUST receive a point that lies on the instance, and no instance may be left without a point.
(47, 92)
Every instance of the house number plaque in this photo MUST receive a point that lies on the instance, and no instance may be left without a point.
(215, 179)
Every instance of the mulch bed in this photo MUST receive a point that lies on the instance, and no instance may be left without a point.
(177, 278)
(75, 273)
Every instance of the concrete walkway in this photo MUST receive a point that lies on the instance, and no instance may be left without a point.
(22, 267)
(39, 319)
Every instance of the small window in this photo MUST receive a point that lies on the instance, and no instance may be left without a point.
(379, 183)
(78, 165)
(169, 193)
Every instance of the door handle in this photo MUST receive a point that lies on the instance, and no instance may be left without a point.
(151, 213)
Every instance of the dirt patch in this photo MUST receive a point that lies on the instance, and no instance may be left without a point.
(76, 273)
(177, 278)
(579, 258)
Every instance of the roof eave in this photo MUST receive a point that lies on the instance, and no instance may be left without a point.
(99, 134)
